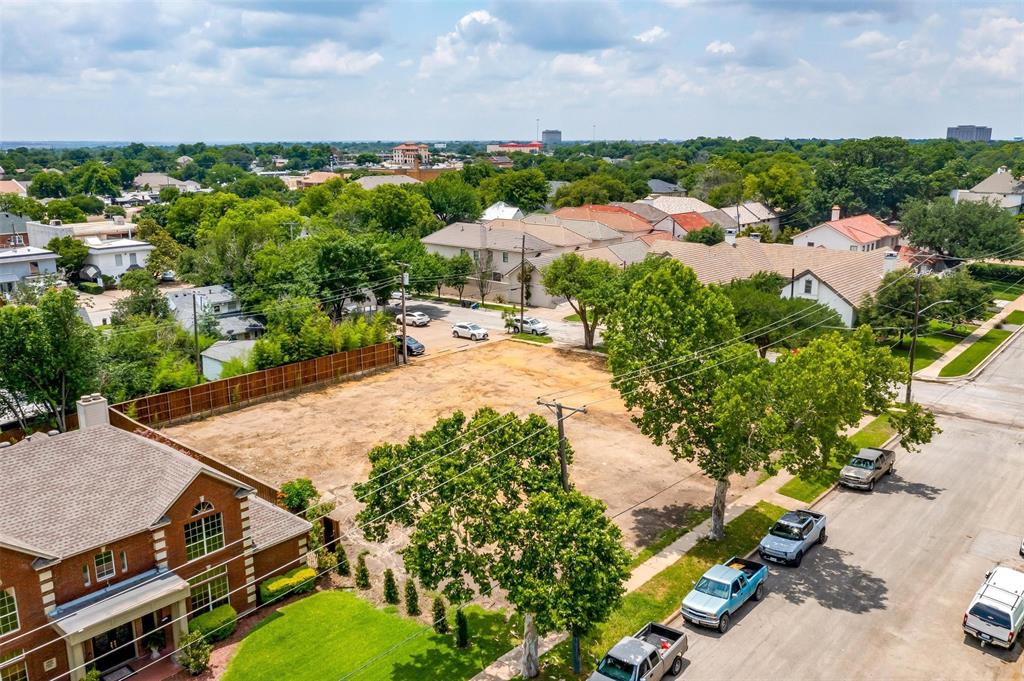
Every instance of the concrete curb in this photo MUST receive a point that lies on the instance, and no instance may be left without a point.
(973, 373)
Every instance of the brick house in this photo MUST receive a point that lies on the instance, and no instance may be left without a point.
(106, 535)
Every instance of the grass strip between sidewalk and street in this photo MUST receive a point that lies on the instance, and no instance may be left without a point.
(874, 434)
(975, 353)
(533, 338)
(1016, 317)
(657, 599)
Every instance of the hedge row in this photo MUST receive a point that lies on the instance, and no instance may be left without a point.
(297, 581)
(996, 271)
(90, 287)
(215, 625)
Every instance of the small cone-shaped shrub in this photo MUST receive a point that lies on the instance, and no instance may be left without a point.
(412, 598)
(461, 629)
(362, 573)
(390, 588)
(343, 567)
(439, 616)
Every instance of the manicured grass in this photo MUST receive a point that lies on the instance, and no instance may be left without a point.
(934, 341)
(690, 521)
(975, 353)
(1005, 290)
(571, 318)
(543, 340)
(874, 434)
(1015, 317)
(487, 306)
(332, 633)
(659, 597)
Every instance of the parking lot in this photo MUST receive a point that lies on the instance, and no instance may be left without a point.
(325, 434)
(884, 597)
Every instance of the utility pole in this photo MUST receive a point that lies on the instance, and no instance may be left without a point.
(522, 283)
(405, 340)
(913, 337)
(195, 334)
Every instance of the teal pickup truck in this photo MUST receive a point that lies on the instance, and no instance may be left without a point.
(722, 590)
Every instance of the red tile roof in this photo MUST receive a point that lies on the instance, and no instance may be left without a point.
(864, 229)
(655, 236)
(615, 217)
(691, 222)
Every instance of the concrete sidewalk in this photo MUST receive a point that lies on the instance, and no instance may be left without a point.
(933, 369)
(506, 667)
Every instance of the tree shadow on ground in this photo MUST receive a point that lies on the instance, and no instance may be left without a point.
(899, 485)
(650, 524)
(435, 311)
(827, 578)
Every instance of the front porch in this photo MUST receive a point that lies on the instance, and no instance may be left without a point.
(112, 630)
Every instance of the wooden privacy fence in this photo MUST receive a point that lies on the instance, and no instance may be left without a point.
(231, 393)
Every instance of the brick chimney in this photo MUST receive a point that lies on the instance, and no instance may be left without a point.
(836, 212)
(92, 411)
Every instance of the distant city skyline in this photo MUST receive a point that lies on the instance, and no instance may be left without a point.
(231, 70)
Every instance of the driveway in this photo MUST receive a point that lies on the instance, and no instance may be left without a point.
(884, 598)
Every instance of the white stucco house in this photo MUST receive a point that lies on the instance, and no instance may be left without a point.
(858, 233)
(114, 257)
(25, 264)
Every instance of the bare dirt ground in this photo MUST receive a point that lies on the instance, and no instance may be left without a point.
(325, 434)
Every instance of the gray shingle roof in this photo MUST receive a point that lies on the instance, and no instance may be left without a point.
(644, 210)
(472, 235)
(661, 187)
(71, 492)
(999, 182)
(272, 524)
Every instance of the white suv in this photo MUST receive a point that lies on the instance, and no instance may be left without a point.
(529, 325)
(414, 319)
(469, 330)
(996, 613)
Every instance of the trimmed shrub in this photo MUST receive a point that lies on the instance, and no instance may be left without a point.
(90, 287)
(390, 587)
(215, 625)
(93, 675)
(296, 494)
(298, 581)
(412, 598)
(195, 653)
(343, 568)
(461, 629)
(362, 573)
(440, 616)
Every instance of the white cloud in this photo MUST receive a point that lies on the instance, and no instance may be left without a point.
(847, 19)
(994, 48)
(575, 65)
(652, 35)
(476, 34)
(719, 47)
(868, 39)
(328, 57)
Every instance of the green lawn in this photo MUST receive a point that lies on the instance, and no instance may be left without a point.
(659, 597)
(934, 341)
(1005, 290)
(543, 340)
(571, 318)
(332, 633)
(874, 434)
(975, 353)
(487, 306)
(1015, 317)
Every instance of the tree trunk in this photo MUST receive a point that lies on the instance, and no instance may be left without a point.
(718, 510)
(530, 667)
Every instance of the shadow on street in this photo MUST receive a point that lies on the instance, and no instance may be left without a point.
(827, 578)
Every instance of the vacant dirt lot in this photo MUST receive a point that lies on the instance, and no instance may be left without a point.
(325, 435)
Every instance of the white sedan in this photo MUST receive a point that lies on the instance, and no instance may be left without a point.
(414, 319)
(469, 330)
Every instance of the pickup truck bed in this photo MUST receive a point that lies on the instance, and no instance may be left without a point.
(657, 635)
(747, 567)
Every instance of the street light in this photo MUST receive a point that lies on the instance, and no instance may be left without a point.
(913, 338)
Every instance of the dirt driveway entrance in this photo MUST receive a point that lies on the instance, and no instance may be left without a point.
(325, 434)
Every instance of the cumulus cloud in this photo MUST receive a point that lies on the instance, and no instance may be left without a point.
(719, 47)
(993, 48)
(331, 58)
(868, 39)
(652, 35)
(476, 33)
(576, 65)
(563, 26)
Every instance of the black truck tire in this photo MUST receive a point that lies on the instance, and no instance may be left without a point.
(723, 623)
(677, 666)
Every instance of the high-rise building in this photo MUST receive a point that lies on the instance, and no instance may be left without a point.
(551, 137)
(969, 133)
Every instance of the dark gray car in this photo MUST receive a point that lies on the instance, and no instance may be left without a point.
(867, 468)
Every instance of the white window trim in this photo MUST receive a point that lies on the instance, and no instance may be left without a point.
(96, 564)
(17, 617)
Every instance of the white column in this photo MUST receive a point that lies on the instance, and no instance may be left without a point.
(76, 660)
(179, 625)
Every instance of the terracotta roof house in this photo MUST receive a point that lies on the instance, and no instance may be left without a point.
(856, 233)
(13, 187)
(839, 279)
(688, 222)
(315, 178)
(619, 219)
(107, 536)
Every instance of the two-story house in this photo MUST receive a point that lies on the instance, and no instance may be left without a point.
(106, 536)
(858, 233)
(25, 264)
(190, 305)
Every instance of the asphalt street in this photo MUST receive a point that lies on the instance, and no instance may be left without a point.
(885, 596)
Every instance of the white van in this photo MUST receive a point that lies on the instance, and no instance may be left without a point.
(996, 613)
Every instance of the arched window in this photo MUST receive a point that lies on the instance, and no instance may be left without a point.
(202, 507)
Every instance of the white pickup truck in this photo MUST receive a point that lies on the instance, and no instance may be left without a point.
(996, 613)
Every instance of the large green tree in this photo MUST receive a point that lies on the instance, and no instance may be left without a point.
(48, 185)
(71, 253)
(590, 286)
(144, 298)
(526, 189)
(966, 229)
(890, 309)
(452, 199)
(95, 179)
(489, 512)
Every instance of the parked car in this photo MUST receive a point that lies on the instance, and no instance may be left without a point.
(996, 613)
(414, 319)
(529, 325)
(721, 592)
(469, 330)
(792, 536)
(648, 655)
(867, 468)
(413, 346)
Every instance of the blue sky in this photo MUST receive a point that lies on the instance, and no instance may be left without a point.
(220, 70)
